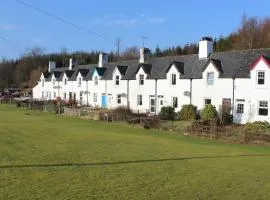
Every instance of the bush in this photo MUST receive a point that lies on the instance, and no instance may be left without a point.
(257, 125)
(122, 110)
(209, 112)
(188, 112)
(167, 113)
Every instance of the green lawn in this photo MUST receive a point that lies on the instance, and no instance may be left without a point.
(43, 156)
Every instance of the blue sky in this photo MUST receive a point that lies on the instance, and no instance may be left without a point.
(164, 23)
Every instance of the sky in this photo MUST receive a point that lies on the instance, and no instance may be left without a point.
(163, 23)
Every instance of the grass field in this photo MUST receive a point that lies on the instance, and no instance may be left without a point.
(43, 156)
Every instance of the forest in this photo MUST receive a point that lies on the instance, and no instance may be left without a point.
(23, 72)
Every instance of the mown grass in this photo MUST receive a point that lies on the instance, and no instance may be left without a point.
(43, 156)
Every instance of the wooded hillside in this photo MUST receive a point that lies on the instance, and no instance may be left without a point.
(23, 72)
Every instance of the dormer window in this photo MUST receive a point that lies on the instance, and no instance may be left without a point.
(117, 79)
(42, 82)
(53, 81)
(173, 79)
(96, 80)
(65, 81)
(210, 78)
(141, 79)
(260, 77)
(79, 82)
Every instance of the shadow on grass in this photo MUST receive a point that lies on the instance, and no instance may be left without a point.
(128, 162)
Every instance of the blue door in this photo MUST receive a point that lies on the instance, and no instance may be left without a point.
(104, 101)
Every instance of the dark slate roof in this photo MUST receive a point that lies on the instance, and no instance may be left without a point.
(83, 72)
(101, 70)
(122, 69)
(179, 66)
(232, 64)
(147, 68)
(217, 65)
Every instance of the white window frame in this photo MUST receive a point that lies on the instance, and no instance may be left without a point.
(139, 100)
(65, 95)
(42, 82)
(94, 97)
(53, 81)
(263, 104)
(260, 75)
(81, 96)
(173, 79)
(207, 99)
(240, 106)
(141, 79)
(175, 102)
(209, 79)
(117, 80)
(54, 94)
(118, 99)
(65, 81)
(42, 94)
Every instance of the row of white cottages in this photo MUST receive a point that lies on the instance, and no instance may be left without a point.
(238, 78)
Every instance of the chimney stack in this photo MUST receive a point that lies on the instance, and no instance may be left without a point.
(205, 47)
(103, 59)
(52, 65)
(144, 55)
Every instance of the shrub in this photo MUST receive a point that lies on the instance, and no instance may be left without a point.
(257, 125)
(188, 112)
(122, 110)
(209, 112)
(167, 113)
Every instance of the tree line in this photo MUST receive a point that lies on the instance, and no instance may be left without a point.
(24, 72)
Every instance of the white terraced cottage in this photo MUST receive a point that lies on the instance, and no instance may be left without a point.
(238, 78)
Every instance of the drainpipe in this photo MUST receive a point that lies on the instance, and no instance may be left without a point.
(106, 93)
(190, 92)
(233, 96)
(128, 103)
(156, 96)
(87, 104)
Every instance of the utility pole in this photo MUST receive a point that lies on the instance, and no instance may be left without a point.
(143, 38)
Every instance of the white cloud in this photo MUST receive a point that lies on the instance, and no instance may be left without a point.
(9, 27)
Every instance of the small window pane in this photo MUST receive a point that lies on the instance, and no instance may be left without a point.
(210, 78)
(173, 79)
(207, 101)
(263, 108)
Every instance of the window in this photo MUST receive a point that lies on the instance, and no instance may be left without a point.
(54, 94)
(96, 80)
(141, 81)
(79, 82)
(175, 102)
(42, 94)
(263, 108)
(240, 106)
(139, 100)
(95, 97)
(210, 78)
(161, 102)
(53, 81)
(118, 99)
(260, 77)
(70, 95)
(207, 101)
(117, 80)
(81, 96)
(65, 81)
(42, 82)
(65, 95)
(74, 95)
(173, 79)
